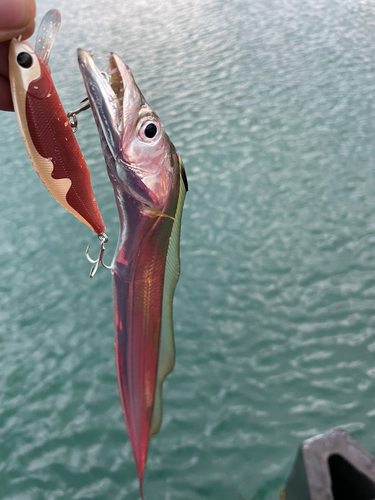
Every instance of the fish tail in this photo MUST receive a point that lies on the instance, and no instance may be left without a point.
(141, 488)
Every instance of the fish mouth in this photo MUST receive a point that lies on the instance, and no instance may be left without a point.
(114, 97)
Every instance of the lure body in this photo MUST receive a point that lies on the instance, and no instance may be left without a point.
(149, 184)
(47, 136)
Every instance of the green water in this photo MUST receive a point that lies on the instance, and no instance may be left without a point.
(271, 105)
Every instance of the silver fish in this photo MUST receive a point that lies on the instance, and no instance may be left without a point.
(149, 184)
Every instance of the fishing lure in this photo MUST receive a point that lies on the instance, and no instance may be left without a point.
(149, 184)
(45, 129)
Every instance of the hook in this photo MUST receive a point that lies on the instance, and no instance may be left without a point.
(103, 238)
(72, 115)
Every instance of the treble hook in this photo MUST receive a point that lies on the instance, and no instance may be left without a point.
(72, 115)
(103, 238)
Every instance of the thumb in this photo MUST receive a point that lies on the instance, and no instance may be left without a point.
(16, 18)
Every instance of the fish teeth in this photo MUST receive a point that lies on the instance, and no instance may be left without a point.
(105, 76)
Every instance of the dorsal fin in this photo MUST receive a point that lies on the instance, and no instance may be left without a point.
(183, 173)
(172, 272)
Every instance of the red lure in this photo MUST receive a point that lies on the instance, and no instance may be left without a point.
(48, 136)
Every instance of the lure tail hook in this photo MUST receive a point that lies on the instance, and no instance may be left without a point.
(72, 115)
(103, 238)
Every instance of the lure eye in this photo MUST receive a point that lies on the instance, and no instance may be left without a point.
(149, 130)
(25, 60)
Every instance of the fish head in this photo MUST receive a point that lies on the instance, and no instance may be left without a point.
(141, 152)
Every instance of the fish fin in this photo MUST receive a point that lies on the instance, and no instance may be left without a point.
(172, 272)
(183, 175)
(156, 213)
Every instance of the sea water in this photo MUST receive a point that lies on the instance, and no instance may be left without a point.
(271, 106)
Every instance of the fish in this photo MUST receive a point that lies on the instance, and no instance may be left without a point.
(149, 184)
(45, 129)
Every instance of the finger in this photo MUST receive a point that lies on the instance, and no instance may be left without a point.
(16, 18)
(4, 50)
(6, 103)
(31, 24)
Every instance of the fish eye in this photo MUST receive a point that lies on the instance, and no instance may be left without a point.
(151, 130)
(25, 60)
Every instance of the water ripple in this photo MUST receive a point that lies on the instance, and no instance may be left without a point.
(271, 107)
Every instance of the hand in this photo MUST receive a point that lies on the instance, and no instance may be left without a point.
(16, 18)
